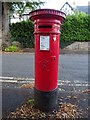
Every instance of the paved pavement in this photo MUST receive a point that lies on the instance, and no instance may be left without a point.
(71, 66)
(13, 96)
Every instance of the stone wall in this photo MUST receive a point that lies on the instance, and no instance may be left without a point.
(78, 46)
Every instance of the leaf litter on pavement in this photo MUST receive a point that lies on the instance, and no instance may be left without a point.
(28, 86)
(28, 110)
(65, 110)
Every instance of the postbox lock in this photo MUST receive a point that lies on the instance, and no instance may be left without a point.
(54, 39)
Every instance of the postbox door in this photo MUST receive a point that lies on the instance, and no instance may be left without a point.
(46, 61)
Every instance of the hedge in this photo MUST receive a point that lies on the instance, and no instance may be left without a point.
(23, 32)
(75, 28)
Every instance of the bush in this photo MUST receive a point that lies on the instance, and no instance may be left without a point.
(11, 49)
(23, 32)
(76, 28)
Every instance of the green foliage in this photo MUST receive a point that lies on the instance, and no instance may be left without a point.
(16, 6)
(11, 49)
(19, 7)
(76, 28)
(30, 101)
(23, 32)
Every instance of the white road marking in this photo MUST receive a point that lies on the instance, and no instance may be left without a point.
(8, 81)
(31, 80)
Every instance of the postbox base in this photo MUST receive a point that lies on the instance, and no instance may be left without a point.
(46, 101)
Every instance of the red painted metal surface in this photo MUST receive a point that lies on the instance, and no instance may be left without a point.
(47, 22)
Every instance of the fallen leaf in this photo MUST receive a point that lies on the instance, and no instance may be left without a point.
(86, 91)
(28, 86)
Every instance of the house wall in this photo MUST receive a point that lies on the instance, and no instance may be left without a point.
(66, 9)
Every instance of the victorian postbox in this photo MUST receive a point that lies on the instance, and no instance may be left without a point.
(47, 24)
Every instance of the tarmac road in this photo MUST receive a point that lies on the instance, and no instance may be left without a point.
(71, 66)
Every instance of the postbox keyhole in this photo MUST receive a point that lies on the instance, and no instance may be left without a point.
(54, 58)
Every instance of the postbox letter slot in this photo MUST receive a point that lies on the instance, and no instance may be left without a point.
(45, 26)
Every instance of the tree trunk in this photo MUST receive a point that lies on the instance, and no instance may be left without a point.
(5, 22)
(0, 24)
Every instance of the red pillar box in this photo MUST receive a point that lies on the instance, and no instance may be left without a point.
(47, 24)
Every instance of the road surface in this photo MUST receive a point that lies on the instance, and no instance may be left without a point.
(71, 66)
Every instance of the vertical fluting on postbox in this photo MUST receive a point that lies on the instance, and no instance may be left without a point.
(47, 24)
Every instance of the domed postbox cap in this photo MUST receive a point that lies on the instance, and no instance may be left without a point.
(47, 13)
